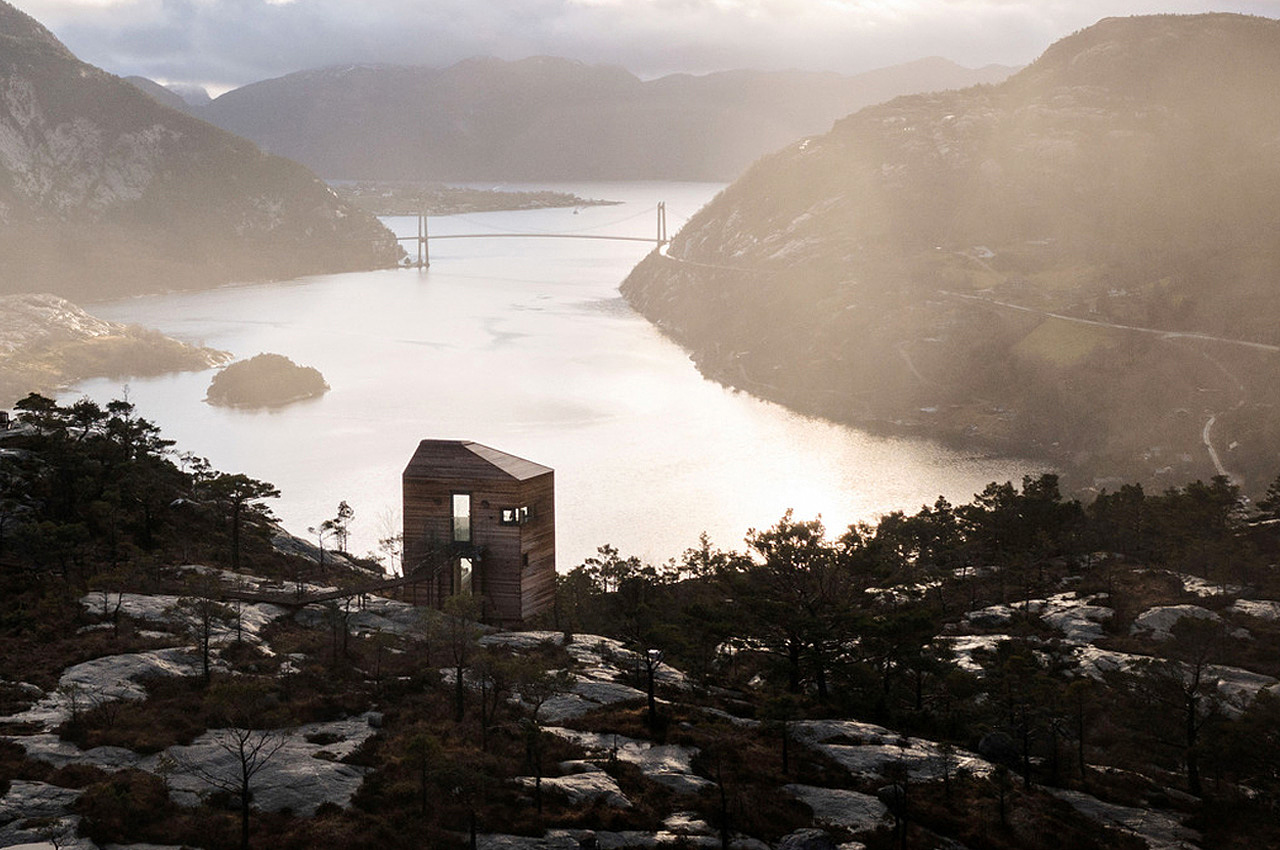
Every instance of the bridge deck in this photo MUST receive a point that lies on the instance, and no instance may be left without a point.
(651, 239)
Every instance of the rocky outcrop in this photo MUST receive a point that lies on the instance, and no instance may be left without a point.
(865, 767)
(47, 343)
(103, 190)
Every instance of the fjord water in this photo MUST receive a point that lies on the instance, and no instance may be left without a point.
(524, 345)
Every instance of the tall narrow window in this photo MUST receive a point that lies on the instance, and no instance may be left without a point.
(462, 517)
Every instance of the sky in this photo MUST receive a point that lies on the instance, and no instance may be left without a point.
(222, 44)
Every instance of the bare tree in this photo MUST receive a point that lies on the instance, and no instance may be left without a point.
(536, 687)
(109, 587)
(391, 540)
(651, 660)
(457, 630)
(338, 613)
(320, 531)
(421, 753)
(203, 614)
(495, 672)
(75, 696)
(242, 704)
(1176, 697)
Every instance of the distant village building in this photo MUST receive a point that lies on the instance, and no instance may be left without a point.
(481, 521)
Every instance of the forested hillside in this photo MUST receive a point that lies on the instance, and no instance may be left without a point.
(104, 191)
(1080, 262)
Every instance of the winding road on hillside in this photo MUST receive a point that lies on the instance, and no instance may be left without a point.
(1172, 336)
(1164, 334)
(1206, 433)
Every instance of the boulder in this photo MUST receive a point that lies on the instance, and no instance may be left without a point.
(1157, 623)
(807, 839)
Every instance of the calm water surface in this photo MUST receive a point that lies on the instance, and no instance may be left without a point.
(525, 345)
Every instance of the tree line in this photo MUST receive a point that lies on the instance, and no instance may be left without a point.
(865, 625)
(86, 488)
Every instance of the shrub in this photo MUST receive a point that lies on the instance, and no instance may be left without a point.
(77, 775)
(124, 807)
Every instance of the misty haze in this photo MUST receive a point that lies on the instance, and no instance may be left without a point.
(536, 424)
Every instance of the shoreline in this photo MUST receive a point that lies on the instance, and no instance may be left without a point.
(397, 198)
(52, 344)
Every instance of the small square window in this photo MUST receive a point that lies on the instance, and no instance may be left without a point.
(515, 516)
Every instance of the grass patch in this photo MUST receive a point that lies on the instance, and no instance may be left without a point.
(15, 764)
(1061, 343)
(1068, 279)
(15, 698)
(970, 813)
(172, 714)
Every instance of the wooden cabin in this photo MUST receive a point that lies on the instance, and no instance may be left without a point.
(478, 520)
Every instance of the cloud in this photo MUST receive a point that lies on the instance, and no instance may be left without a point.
(232, 42)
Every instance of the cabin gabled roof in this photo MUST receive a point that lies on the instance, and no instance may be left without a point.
(464, 459)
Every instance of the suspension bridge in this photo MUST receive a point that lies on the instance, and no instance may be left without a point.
(423, 239)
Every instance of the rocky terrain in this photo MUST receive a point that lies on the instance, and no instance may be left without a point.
(105, 191)
(315, 765)
(47, 343)
(545, 118)
(1079, 262)
(1020, 671)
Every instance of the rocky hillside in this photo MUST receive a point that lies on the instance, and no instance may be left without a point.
(1020, 671)
(1080, 262)
(545, 118)
(47, 343)
(104, 191)
(133, 727)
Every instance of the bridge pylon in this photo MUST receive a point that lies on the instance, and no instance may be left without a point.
(424, 248)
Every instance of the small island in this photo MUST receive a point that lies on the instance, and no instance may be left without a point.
(267, 380)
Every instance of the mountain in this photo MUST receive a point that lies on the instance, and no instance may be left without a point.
(180, 97)
(192, 94)
(159, 93)
(105, 191)
(545, 118)
(1079, 263)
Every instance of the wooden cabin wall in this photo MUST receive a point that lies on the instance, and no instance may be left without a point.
(511, 591)
(538, 541)
(500, 569)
